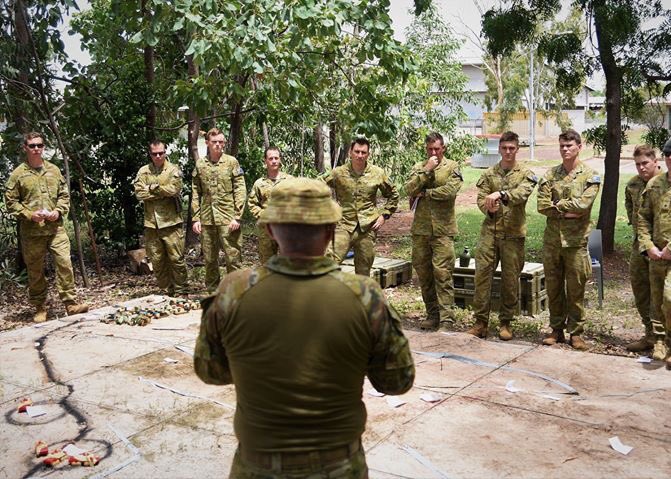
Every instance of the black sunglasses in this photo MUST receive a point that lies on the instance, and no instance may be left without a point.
(32, 146)
(157, 153)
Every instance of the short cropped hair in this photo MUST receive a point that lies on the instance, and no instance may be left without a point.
(271, 148)
(570, 135)
(213, 132)
(360, 141)
(510, 136)
(29, 136)
(156, 142)
(645, 150)
(434, 136)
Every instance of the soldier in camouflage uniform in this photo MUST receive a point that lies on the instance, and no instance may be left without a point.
(38, 198)
(218, 200)
(503, 191)
(258, 199)
(432, 190)
(565, 195)
(297, 336)
(639, 274)
(654, 233)
(356, 185)
(159, 185)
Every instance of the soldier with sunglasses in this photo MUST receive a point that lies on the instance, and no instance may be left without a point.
(37, 197)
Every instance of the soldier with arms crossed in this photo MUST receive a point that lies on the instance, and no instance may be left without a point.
(639, 265)
(503, 191)
(218, 200)
(432, 189)
(296, 337)
(159, 185)
(565, 195)
(258, 199)
(38, 198)
(356, 185)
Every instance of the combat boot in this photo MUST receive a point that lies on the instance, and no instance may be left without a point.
(659, 350)
(644, 344)
(578, 343)
(73, 308)
(668, 362)
(479, 330)
(505, 332)
(429, 324)
(40, 314)
(556, 336)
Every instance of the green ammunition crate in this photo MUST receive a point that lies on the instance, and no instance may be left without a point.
(534, 305)
(375, 273)
(527, 306)
(393, 272)
(532, 280)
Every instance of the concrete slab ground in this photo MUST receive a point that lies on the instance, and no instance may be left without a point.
(503, 409)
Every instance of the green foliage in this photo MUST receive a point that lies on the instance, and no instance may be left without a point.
(598, 137)
(9, 275)
(656, 137)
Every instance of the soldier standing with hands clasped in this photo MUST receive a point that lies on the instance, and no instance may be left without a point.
(654, 234)
(432, 189)
(159, 185)
(218, 200)
(503, 191)
(565, 195)
(38, 197)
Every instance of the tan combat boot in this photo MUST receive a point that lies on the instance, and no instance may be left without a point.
(644, 344)
(40, 314)
(556, 336)
(429, 324)
(73, 308)
(578, 343)
(659, 351)
(505, 332)
(668, 362)
(479, 330)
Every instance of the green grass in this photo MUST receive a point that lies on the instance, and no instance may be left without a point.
(469, 220)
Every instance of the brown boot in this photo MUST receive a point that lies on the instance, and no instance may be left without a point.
(556, 336)
(668, 362)
(659, 351)
(505, 332)
(578, 343)
(479, 330)
(40, 314)
(429, 324)
(644, 344)
(73, 308)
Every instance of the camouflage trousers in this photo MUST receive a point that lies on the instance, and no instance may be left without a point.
(352, 468)
(267, 246)
(660, 294)
(566, 273)
(214, 239)
(639, 275)
(433, 260)
(165, 249)
(510, 253)
(363, 244)
(34, 250)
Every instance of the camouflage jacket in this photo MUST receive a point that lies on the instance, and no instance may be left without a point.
(258, 197)
(432, 195)
(30, 189)
(560, 193)
(357, 194)
(159, 190)
(510, 221)
(632, 201)
(300, 375)
(654, 214)
(218, 193)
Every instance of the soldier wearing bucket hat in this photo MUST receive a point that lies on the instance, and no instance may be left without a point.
(299, 335)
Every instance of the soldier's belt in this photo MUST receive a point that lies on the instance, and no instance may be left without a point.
(281, 461)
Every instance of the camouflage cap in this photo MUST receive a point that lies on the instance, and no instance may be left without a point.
(301, 200)
(667, 148)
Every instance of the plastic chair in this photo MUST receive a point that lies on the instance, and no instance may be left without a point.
(596, 254)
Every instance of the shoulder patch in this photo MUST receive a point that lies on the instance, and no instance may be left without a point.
(533, 178)
(239, 171)
(595, 180)
(457, 173)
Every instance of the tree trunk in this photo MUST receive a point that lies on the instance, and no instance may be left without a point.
(193, 134)
(613, 74)
(22, 54)
(318, 146)
(235, 132)
(150, 121)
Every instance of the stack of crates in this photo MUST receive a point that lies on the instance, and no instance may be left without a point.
(533, 296)
(387, 272)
